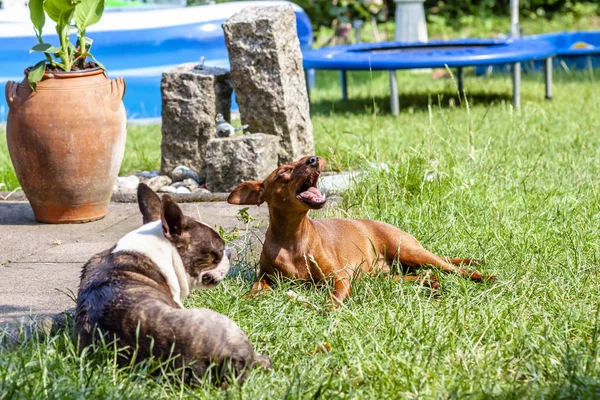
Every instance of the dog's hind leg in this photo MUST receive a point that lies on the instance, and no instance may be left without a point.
(430, 282)
(413, 254)
(425, 257)
(463, 261)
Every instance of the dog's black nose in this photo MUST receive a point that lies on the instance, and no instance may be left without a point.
(209, 280)
(314, 161)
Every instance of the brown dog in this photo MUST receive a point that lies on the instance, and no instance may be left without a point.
(340, 249)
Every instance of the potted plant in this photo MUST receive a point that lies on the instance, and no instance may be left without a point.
(66, 126)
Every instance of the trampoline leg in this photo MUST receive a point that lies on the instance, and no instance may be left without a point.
(344, 83)
(394, 101)
(549, 78)
(459, 81)
(517, 85)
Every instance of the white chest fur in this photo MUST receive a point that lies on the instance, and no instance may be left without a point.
(149, 241)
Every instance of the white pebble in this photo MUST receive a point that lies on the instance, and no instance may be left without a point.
(128, 182)
(183, 190)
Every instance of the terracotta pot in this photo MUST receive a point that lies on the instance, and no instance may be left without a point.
(66, 142)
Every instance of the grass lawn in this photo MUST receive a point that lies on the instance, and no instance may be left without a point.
(520, 189)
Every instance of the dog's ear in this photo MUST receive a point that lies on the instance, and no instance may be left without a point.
(172, 218)
(250, 193)
(149, 203)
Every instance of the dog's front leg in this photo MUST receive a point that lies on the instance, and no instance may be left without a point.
(261, 286)
(341, 290)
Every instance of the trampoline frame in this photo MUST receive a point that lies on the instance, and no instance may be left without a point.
(514, 59)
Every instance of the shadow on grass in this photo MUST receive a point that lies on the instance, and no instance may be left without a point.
(414, 101)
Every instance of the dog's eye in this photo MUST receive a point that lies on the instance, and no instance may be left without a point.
(216, 257)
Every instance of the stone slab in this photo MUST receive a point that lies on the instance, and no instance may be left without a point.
(233, 160)
(268, 77)
(36, 259)
(31, 289)
(191, 98)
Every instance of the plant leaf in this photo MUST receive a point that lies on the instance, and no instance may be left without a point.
(96, 61)
(88, 13)
(60, 10)
(44, 48)
(37, 16)
(36, 74)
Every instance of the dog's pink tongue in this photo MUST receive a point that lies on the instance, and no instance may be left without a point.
(312, 194)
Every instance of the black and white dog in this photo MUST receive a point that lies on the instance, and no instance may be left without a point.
(132, 292)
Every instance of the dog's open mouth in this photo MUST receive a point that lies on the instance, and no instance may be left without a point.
(309, 193)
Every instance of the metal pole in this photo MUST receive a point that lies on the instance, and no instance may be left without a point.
(459, 79)
(514, 19)
(517, 85)
(515, 33)
(344, 83)
(549, 78)
(394, 101)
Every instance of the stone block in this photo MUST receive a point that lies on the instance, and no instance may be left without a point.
(192, 95)
(232, 160)
(268, 78)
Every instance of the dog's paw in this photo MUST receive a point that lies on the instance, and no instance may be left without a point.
(333, 304)
(477, 277)
(475, 261)
(250, 295)
(258, 288)
(263, 361)
(432, 283)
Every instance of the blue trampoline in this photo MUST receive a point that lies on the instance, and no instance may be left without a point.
(435, 54)
(574, 51)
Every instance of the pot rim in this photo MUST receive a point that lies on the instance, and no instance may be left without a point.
(68, 74)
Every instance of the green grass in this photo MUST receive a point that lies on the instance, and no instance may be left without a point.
(518, 188)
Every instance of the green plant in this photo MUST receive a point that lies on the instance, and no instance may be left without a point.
(69, 15)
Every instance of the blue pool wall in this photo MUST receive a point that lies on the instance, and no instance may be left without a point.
(140, 57)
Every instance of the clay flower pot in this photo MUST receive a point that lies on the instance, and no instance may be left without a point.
(66, 142)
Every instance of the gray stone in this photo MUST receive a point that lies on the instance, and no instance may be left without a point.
(225, 129)
(191, 98)
(167, 189)
(190, 184)
(145, 176)
(201, 190)
(128, 182)
(182, 173)
(268, 78)
(158, 181)
(187, 183)
(232, 160)
(337, 183)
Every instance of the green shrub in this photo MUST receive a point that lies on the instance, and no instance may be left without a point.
(454, 13)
